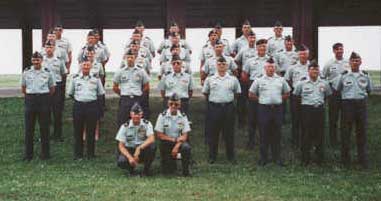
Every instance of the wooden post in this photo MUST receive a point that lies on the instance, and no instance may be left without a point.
(48, 17)
(175, 10)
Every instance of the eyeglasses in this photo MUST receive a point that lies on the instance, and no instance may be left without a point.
(173, 104)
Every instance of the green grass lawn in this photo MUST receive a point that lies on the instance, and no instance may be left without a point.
(61, 178)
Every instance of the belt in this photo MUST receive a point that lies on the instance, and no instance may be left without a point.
(354, 100)
(220, 104)
(314, 106)
(272, 106)
(86, 103)
(43, 94)
(130, 96)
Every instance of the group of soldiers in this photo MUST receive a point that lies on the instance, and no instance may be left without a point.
(252, 78)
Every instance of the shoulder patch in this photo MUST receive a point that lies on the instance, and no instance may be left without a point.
(27, 68)
(345, 72)
(125, 124)
(366, 73)
(303, 78)
(164, 113)
(145, 121)
(47, 70)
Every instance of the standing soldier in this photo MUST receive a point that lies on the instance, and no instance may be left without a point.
(242, 42)
(184, 55)
(179, 83)
(146, 41)
(208, 49)
(355, 87)
(173, 28)
(135, 43)
(142, 56)
(136, 143)
(166, 66)
(332, 69)
(85, 90)
(57, 67)
(276, 42)
(270, 91)
(37, 84)
(293, 75)
(312, 93)
(220, 90)
(253, 68)
(218, 29)
(172, 129)
(286, 57)
(131, 83)
(100, 55)
(63, 43)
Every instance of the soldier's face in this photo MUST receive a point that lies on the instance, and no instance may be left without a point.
(136, 117)
(303, 55)
(140, 29)
(36, 62)
(270, 69)
(219, 48)
(174, 29)
(58, 32)
(175, 40)
(221, 67)
(90, 54)
(213, 37)
(51, 37)
(49, 49)
(355, 64)
(252, 39)
(86, 66)
(313, 72)
(173, 106)
(176, 65)
(246, 29)
(137, 37)
(97, 37)
(219, 31)
(175, 51)
(91, 40)
(278, 31)
(339, 52)
(261, 49)
(288, 44)
(134, 47)
(130, 59)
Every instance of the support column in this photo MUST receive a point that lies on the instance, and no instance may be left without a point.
(48, 16)
(175, 10)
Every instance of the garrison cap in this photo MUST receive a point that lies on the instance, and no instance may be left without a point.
(174, 97)
(221, 59)
(303, 48)
(354, 55)
(261, 41)
(313, 64)
(270, 60)
(278, 24)
(136, 108)
(139, 23)
(175, 58)
(37, 55)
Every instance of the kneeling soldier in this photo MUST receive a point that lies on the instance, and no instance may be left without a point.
(312, 92)
(136, 142)
(172, 128)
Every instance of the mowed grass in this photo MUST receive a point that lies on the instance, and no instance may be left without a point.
(62, 178)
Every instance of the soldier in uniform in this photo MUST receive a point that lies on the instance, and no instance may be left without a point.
(220, 90)
(208, 49)
(270, 90)
(58, 52)
(173, 28)
(37, 84)
(209, 69)
(276, 42)
(242, 42)
(130, 82)
(100, 54)
(85, 89)
(218, 28)
(172, 129)
(136, 43)
(253, 68)
(312, 93)
(177, 82)
(106, 53)
(166, 66)
(355, 87)
(286, 57)
(184, 55)
(142, 55)
(332, 69)
(293, 75)
(146, 41)
(64, 44)
(58, 68)
(136, 143)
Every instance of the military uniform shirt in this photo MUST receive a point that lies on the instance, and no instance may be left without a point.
(58, 53)
(167, 44)
(210, 66)
(134, 135)
(56, 66)
(140, 62)
(353, 85)
(296, 72)
(172, 125)
(85, 88)
(64, 44)
(255, 66)
(245, 54)
(275, 44)
(179, 83)
(100, 55)
(334, 68)
(166, 56)
(167, 68)
(312, 92)
(227, 49)
(96, 69)
(105, 49)
(37, 81)
(131, 80)
(240, 44)
(142, 52)
(270, 89)
(221, 89)
(207, 52)
(285, 59)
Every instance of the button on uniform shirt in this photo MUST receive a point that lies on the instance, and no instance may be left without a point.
(333, 68)
(166, 55)
(312, 92)
(285, 59)
(245, 54)
(134, 135)
(270, 89)
(221, 89)
(64, 44)
(37, 81)
(167, 44)
(179, 83)
(210, 66)
(56, 66)
(207, 52)
(274, 44)
(131, 80)
(239, 44)
(167, 68)
(172, 125)
(100, 54)
(296, 72)
(85, 88)
(255, 66)
(353, 85)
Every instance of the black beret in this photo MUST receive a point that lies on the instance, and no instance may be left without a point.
(91, 33)
(251, 33)
(134, 42)
(354, 55)
(219, 42)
